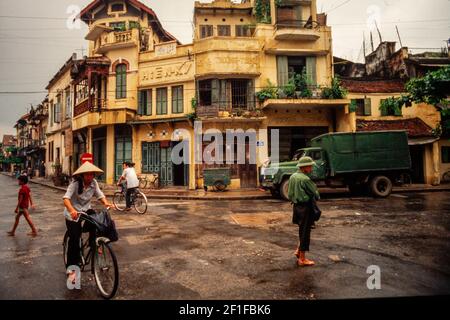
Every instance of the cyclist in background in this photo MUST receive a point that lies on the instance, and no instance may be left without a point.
(132, 182)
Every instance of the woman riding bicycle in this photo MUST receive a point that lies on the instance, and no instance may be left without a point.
(132, 182)
(78, 199)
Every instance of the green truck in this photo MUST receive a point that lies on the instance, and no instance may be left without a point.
(362, 161)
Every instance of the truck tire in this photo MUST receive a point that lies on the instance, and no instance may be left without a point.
(275, 193)
(284, 189)
(381, 186)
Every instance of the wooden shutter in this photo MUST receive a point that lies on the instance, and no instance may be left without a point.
(140, 110)
(145, 163)
(367, 107)
(148, 102)
(311, 70)
(250, 95)
(282, 70)
(215, 92)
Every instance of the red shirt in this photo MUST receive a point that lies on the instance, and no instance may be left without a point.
(24, 192)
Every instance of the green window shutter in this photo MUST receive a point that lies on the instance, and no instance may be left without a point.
(145, 163)
(367, 107)
(223, 94)
(398, 112)
(215, 92)
(161, 101)
(282, 70)
(250, 95)
(311, 70)
(121, 81)
(149, 103)
(141, 102)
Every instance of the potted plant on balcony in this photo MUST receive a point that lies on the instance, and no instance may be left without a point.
(289, 89)
(302, 89)
(336, 91)
(269, 92)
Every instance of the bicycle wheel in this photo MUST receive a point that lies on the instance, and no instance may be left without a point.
(106, 270)
(119, 201)
(140, 202)
(65, 247)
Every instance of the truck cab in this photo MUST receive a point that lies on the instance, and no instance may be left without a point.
(320, 158)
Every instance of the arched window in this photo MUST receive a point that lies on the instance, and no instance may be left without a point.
(121, 81)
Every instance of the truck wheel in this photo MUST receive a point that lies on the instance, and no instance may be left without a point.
(381, 186)
(284, 189)
(275, 193)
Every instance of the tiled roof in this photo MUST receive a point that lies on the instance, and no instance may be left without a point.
(9, 140)
(137, 4)
(416, 127)
(373, 86)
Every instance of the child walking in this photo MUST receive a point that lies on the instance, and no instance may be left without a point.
(22, 207)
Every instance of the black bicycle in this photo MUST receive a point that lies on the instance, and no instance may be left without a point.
(138, 200)
(102, 260)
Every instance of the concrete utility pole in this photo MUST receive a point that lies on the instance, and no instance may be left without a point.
(399, 39)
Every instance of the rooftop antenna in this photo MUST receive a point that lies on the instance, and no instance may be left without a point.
(379, 33)
(371, 41)
(364, 46)
(399, 38)
(82, 51)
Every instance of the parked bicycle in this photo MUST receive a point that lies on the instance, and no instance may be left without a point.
(101, 259)
(150, 181)
(138, 200)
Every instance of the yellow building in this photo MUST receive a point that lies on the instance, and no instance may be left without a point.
(418, 119)
(140, 89)
(239, 51)
(59, 103)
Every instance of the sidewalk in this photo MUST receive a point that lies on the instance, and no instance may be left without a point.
(250, 194)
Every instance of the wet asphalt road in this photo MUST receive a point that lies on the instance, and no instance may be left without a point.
(240, 249)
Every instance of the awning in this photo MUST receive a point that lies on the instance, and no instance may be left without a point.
(421, 141)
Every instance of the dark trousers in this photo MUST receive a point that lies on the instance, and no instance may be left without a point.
(74, 251)
(130, 191)
(304, 218)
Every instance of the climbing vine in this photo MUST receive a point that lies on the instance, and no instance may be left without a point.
(262, 11)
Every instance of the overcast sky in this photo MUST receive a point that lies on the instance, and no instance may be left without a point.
(35, 41)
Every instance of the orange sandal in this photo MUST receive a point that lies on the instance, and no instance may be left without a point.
(305, 263)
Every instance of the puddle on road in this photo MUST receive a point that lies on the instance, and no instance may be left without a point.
(261, 220)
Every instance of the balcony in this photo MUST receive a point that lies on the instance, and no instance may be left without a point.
(117, 40)
(312, 96)
(92, 105)
(303, 30)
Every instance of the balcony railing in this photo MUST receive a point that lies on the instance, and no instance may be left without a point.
(296, 24)
(226, 109)
(123, 36)
(118, 39)
(93, 105)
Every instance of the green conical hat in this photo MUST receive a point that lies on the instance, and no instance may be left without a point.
(305, 162)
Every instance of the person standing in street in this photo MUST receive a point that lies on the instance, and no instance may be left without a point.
(132, 182)
(23, 207)
(302, 192)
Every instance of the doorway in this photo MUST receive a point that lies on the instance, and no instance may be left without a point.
(417, 153)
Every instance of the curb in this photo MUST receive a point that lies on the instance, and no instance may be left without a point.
(252, 197)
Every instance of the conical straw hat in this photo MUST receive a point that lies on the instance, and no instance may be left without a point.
(87, 167)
